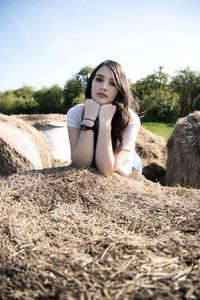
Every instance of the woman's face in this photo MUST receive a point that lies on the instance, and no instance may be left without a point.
(104, 90)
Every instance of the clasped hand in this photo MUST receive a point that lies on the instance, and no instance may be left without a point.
(105, 112)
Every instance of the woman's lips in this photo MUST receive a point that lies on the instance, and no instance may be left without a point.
(102, 95)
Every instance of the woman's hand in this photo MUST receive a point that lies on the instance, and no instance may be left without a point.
(106, 114)
(91, 109)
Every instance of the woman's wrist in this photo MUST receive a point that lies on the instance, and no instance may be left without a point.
(88, 119)
(105, 128)
(88, 122)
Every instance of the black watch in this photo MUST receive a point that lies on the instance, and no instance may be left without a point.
(85, 127)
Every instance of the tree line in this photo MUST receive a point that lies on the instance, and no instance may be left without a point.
(160, 97)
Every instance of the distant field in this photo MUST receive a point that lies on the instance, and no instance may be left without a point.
(162, 129)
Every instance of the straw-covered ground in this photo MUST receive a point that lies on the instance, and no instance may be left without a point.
(70, 233)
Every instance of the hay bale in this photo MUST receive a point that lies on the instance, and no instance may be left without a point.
(183, 147)
(42, 119)
(70, 233)
(21, 147)
(152, 150)
(54, 127)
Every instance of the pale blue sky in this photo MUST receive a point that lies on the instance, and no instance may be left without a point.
(43, 42)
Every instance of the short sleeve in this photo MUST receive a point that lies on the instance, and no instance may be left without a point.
(129, 139)
(131, 132)
(74, 116)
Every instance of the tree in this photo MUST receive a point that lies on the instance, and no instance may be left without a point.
(196, 103)
(186, 84)
(25, 92)
(83, 75)
(7, 102)
(74, 88)
(25, 103)
(50, 100)
(23, 106)
(157, 102)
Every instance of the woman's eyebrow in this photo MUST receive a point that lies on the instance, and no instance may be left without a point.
(99, 75)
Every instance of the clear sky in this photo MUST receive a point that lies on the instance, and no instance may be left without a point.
(45, 42)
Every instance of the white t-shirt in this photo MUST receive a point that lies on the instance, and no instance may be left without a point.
(75, 117)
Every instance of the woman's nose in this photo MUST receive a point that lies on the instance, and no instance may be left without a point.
(104, 86)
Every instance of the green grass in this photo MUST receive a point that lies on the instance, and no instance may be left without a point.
(162, 129)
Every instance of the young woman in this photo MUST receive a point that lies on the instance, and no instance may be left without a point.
(103, 130)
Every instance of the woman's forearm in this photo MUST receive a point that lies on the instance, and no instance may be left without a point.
(104, 156)
(83, 154)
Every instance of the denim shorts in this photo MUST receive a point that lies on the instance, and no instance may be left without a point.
(137, 164)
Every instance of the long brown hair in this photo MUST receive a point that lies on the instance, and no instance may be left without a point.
(123, 100)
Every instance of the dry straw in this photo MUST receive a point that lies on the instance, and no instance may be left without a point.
(183, 163)
(43, 117)
(152, 150)
(70, 233)
(22, 147)
(43, 120)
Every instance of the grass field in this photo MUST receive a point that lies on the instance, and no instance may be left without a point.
(162, 129)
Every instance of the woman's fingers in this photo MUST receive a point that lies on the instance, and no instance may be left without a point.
(91, 109)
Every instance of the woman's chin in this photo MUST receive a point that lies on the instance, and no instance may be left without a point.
(102, 101)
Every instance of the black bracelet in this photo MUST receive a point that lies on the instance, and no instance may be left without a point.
(85, 127)
(88, 119)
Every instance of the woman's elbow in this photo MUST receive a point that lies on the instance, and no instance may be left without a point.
(106, 172)
(105, 168)
(123, 171)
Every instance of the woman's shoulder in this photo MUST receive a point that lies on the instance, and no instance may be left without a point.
(78, 108)
(134, 118)
(74, 116)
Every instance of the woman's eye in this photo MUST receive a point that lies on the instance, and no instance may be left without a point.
(98, 79)
(112, 83)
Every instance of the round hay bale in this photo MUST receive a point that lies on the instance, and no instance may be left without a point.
(22, 147)
(54, 127)
(152, 150)
(42, 119)
(183, 147)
